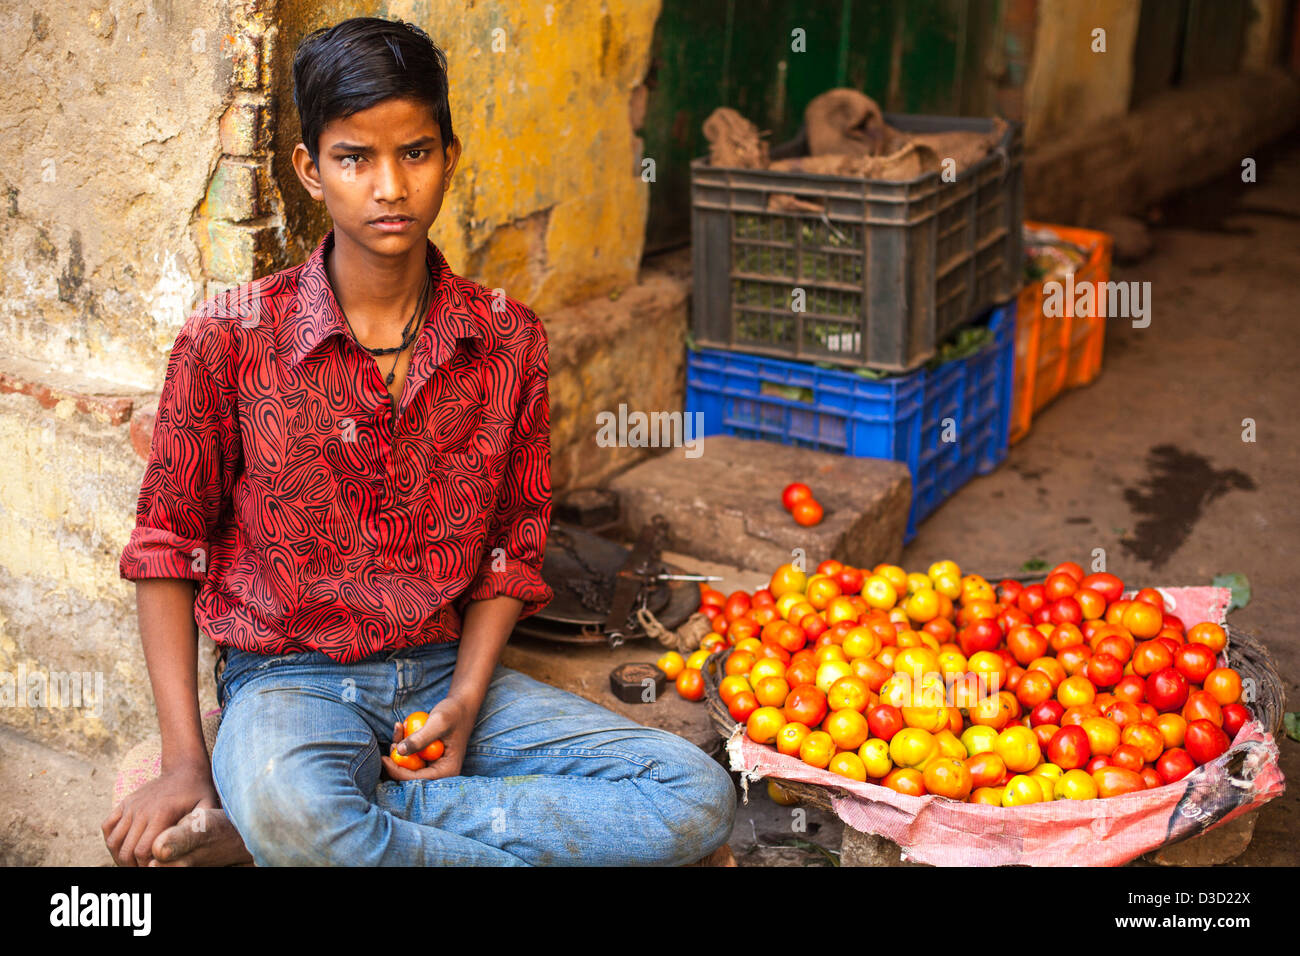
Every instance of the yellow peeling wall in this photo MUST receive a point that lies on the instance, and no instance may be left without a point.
(547, 202)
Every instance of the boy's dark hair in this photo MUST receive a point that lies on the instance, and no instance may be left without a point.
(351, 66)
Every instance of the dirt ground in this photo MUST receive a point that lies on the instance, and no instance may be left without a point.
(1147, 463)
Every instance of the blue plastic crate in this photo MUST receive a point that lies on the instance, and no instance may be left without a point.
(947, 425)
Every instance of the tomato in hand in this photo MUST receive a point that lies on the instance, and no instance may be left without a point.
(432, 751)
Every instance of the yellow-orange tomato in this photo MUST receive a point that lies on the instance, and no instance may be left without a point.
(851, 693)
(1173, 728)
(993, 711)
(988, 796)
(765, 667)
(1224, 685)
(696, 660)
(1020, 790)
(787, 579)
(779, 795)
(848, 728)
(905, 780)
(922, 606)
(1034, 688)
(672, 664)
(950, 745)
(739, 662)
(817, 749)
(841, 609)
(916, 662)
(772, 691)
(948, 777)
(1076, 691)
(751, 644)
(790, 737)
(690, 684)
(874, 754)
(1103, 735)
(848, 764)
(991, 667)
(912, 747)
(1075, 785)
(764, 724)
(861, 641)
(1143, 620)
(729, 687)
(831, 671)
(1051, 667)
(1211, 635)
(1116, 781)
(986, 769)
(1018, 748)
(933, 719)
(829, 652)
(407, 761)
(979, 739)
(1146, 738)
(786, 604)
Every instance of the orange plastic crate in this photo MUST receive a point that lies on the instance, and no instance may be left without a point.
(1054, 353)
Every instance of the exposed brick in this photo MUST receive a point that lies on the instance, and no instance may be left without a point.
(142, 422)
(233, 191)
(50, 387)
(247, 57)
(244, 130)
(235, 253)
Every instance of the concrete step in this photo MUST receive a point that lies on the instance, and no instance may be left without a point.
(725, 504)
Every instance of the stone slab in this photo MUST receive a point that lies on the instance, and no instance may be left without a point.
(725, 504)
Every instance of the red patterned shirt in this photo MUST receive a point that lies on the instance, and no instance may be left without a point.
(314, 520)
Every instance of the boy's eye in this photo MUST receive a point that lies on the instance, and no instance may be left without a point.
(420, 151)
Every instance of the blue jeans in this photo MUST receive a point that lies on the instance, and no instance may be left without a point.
(548, 778)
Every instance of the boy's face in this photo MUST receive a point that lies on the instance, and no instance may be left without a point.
(387, 160)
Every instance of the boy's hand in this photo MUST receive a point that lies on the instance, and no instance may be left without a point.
(135, 823)
(452, 722)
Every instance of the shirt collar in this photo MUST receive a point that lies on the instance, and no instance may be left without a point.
(453, 313)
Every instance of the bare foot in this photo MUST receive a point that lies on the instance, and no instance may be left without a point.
(204, 837)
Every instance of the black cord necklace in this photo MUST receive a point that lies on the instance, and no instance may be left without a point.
(408, 333)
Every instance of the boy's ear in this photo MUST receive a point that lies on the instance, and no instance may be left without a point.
(308, 172)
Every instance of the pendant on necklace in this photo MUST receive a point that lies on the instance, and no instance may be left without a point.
(389, 379)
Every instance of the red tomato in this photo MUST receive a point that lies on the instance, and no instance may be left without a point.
(742, 705)
(1068, 567)
(1048, 712)
(1104, 670)
(884, 720)
(806, 704)
(1026, 644)
(1128, 757)
(1204, 741)
(738, 604)
(1132, 688)
(1235, 716)
(1167, 689)
(1151, 596)
(1201, 705)
(850, 580)
(794, 493)
(807, 513)
(1031, 599)
(1151, 777)
(1096, 763)
(1008, 590)
(1107, 585)
(1059, 585)
(1069, 748)
(1092, 604)
(1195, 662)
(980, 635)
(1174, 764)
(1115, 781)
(1066, 610)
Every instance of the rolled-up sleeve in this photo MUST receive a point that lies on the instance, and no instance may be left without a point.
(516, 541)
(189, 478)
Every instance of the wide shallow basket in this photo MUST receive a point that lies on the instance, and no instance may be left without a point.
(1245, 653)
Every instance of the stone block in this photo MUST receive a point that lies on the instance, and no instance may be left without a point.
(233, 192)
(1225, 842)
(725, 504)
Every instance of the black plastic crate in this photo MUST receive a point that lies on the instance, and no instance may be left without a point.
(887, 269)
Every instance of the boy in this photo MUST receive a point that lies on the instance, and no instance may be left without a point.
(364, 530)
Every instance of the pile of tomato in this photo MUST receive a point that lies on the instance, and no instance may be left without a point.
(942, 683)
